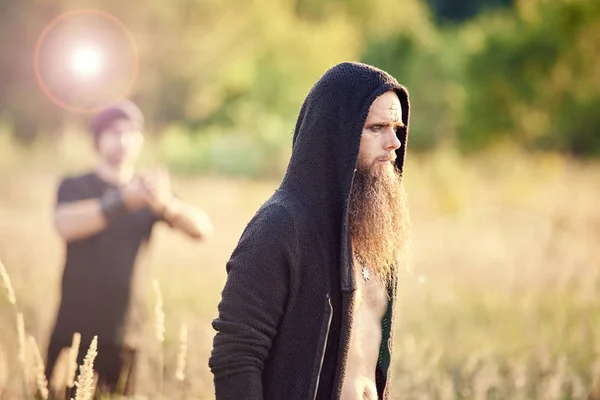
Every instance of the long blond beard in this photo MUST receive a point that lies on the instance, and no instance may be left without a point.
(380, 221)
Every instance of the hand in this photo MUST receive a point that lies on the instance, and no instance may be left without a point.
(136, 195)
(158, 185)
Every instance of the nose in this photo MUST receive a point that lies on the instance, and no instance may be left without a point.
(392, 143)
(125, 139)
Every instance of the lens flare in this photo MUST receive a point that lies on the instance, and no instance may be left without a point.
(58, 74)
(86, 62)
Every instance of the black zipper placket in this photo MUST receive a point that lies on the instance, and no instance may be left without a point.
(324, 346)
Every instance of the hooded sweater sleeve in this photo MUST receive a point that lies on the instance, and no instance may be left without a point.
(253, 302)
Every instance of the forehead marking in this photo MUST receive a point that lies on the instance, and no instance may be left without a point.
(395, 112)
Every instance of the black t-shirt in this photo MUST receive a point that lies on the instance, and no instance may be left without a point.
(103, 273)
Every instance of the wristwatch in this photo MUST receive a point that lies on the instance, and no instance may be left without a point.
(112, 204)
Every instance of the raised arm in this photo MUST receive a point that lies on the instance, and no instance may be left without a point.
(189, 219)
(185, 217)
(252, 304)
(79, 219)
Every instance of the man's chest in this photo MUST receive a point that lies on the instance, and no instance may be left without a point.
(370, 296)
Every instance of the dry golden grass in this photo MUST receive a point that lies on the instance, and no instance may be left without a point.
(85, 381)
(38, 363)
(503, 301)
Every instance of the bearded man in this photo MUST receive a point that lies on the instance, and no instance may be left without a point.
(307, 311)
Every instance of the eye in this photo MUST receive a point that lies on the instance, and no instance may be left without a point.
(376, 128)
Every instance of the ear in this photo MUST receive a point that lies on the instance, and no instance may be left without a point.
(142, 138)
(96, 143)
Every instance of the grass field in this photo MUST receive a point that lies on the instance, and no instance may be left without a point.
(503, 300)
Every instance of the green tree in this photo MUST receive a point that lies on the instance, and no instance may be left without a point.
(533, 79)
(462, 10)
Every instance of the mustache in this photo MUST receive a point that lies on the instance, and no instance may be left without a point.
(391, 157)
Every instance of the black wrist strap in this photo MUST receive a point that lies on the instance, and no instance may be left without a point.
(112, 205)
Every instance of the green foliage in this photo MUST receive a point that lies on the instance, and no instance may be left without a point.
(534, 79)
(461, 10)
(234, 74)
(257, 148)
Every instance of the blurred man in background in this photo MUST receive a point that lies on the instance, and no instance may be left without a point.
(308, 308)
(106, 218)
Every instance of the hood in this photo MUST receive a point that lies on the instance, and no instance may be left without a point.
(325, 150)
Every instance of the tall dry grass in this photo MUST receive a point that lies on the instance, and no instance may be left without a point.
(40, 376)
(502, 302)
(86, 382)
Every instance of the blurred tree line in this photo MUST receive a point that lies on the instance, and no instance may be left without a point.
(480, 72)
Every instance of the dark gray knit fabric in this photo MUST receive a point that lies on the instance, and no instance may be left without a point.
(283, 326)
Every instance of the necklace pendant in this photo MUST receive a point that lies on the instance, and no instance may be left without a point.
(366, 275)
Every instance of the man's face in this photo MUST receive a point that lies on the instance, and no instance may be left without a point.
(379, 142)
(120, 143)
